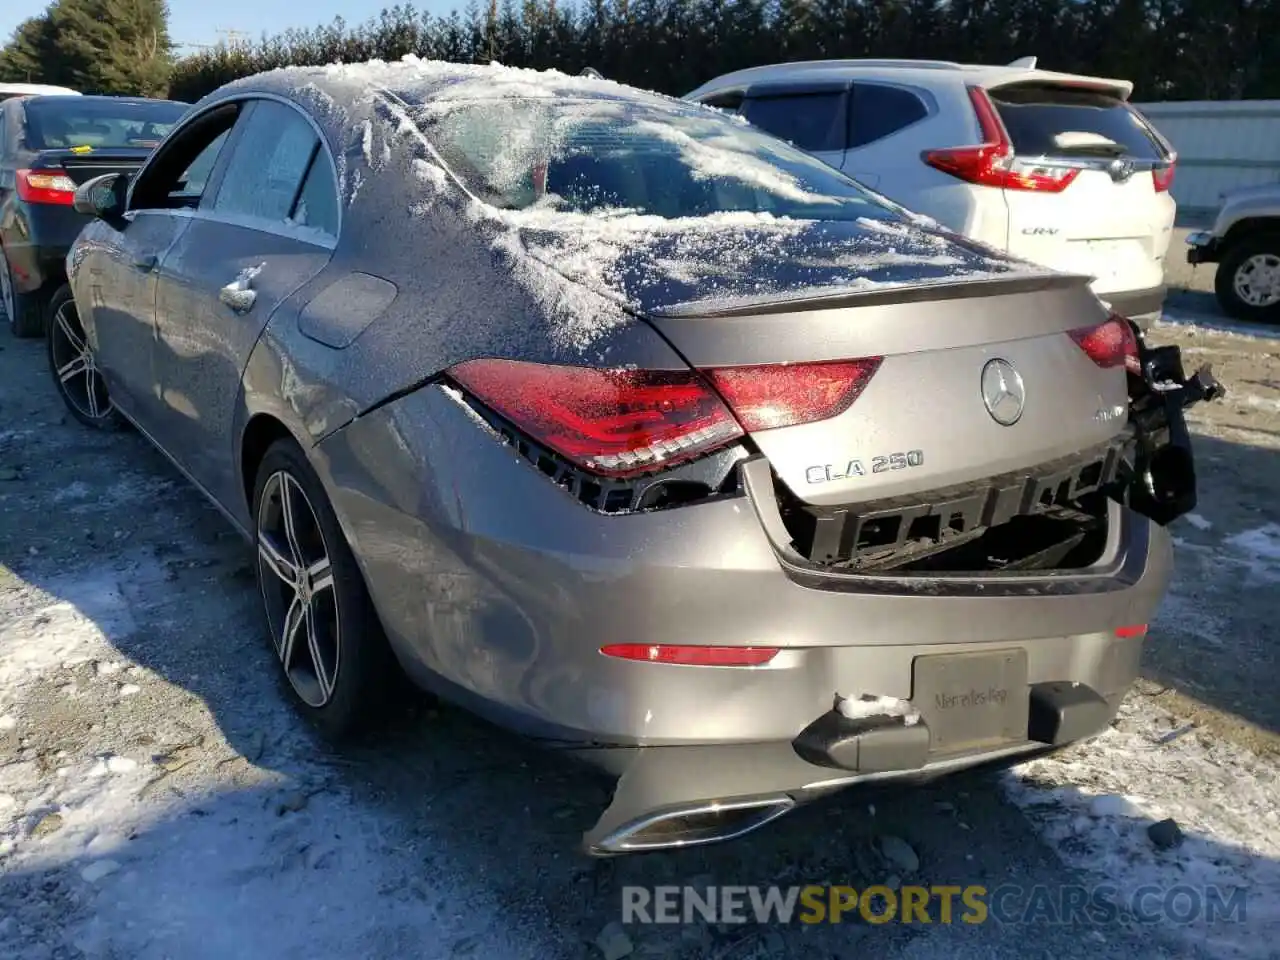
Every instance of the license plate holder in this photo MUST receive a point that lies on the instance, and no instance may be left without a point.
(972, 700)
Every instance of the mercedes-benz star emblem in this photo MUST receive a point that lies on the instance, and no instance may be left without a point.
(1003, 392)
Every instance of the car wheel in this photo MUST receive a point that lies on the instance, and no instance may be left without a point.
(74, 371)
(325, 634)
(22, 309)
(1248, 279)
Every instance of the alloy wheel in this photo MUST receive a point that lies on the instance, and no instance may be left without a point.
(1257, 280)
(296, 576)
(78, 376)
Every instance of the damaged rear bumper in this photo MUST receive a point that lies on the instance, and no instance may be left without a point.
(673, 797)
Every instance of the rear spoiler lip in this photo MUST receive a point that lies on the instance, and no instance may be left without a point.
(961, 288)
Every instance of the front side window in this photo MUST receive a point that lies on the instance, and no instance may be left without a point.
(178, 174)
(58, 123)
(272, 155)
(663, 160)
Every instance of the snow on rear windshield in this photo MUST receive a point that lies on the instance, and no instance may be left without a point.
(589, 155)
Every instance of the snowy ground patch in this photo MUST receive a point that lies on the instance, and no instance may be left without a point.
(1094, 803)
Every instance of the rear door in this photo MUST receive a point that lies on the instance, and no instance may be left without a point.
(1113, 221)
(877, 112)
(813, 117)
(270, 228)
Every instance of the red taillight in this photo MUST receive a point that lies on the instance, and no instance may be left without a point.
(691, 656)
(1162, 177)
(622, 423)
(1137, 630)
(990, 163)
(1109, 344)
(616, 423)
(785, 395)
(45, 186)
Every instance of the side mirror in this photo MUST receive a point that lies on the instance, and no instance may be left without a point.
(102, 197)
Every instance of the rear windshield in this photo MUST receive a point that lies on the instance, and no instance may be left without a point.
(667, 161)
(61, 123)
(1048, 121)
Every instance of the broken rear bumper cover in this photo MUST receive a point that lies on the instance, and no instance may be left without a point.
(1061, 689)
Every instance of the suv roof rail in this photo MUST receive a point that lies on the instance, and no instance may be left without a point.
(1026, 63)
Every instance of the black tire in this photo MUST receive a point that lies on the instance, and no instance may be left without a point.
(367, 680)
(1236, 257)
(26, 319)
(84, 393)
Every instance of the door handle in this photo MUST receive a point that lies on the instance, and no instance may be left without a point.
(239, 294)
(146, 264)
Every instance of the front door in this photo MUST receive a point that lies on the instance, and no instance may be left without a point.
(122, 274)
(269, 229)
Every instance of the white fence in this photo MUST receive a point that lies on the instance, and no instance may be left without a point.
(1222, 145)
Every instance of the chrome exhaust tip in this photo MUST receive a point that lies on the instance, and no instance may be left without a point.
(691, 826)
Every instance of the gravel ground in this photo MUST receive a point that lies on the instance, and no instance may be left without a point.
(159, 799)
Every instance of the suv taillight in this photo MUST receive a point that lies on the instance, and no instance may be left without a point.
(45, 186)
(1162, 176)
(621, 423)
(991, 163)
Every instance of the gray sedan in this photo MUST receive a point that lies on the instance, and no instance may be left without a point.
(633, 429)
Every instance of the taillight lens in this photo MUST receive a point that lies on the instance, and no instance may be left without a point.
(1162, 177)
(992, 163)
(622, 423)
(1109, 344)
(1128, 633)
(615, 423)
(46, 186)
(691, 656)
(785, 395)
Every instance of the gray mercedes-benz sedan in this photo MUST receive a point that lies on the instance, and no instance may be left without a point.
(634, 430)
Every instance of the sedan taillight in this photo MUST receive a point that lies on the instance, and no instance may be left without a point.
(622, 423)
(46, 186)
(1109, 344)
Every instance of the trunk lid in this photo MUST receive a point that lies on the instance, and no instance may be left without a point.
(81, 164)
(1113, 220)
(951, 352)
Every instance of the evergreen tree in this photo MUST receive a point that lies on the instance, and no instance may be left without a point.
(32, 55)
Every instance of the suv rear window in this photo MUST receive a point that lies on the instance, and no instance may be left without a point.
(62, 122)
(812, 121)
(1037, 117)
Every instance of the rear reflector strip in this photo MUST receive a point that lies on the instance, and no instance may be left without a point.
(1137, 630)
(691, 656)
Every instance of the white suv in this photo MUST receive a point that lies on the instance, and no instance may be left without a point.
(8, 90)
(1054, 168)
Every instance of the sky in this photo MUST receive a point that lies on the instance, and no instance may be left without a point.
(199, 21)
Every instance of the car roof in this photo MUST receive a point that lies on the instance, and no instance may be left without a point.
(417, 81)
(98, 98)
(920, 72)
(36, 89)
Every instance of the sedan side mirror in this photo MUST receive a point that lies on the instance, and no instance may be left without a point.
(102, 197)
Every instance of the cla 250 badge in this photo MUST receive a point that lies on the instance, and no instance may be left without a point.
(826, 472)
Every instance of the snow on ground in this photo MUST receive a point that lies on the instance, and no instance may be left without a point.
(1094, 803)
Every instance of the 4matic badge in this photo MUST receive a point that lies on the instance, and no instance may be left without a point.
(827, 472)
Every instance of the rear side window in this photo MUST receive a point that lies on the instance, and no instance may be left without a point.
(879, 111)
(812, 121)
(1044, 121)
(318, 202)
(271, 157)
